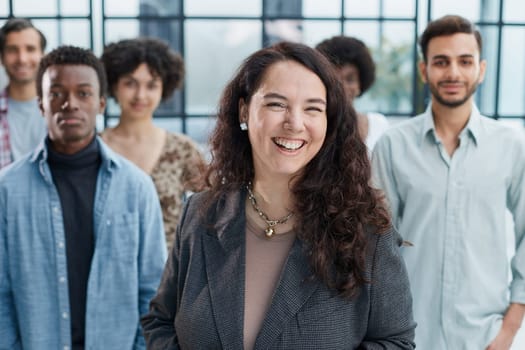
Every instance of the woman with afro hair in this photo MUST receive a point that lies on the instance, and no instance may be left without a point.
(141, 73)
(356, 68)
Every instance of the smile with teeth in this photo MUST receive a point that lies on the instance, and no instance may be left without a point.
(290, 145)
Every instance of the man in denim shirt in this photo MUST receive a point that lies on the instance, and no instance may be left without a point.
(82, 245)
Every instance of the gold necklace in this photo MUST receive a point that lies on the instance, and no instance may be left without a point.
(269, 231)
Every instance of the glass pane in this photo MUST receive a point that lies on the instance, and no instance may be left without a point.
(99, 124)
(4, 10)
(467, 8)
(142, 8)
(399, 8)
(172, 105)
(75, 8)
(512, 85)
(3, 78)
(121, 29)
(28, 8)
(285, 29)
(392, 46)
(51, 30)
(199, 129)
(325, 8)
(316, 31)
(490, 10)
(283, 8)
(222, 8)
(74, 32)
(359, 8)
(115, 8)
(167, 30)
(486, 95)
(213, 51)
(112, 108)
(514, 11)
(111, 122)
(160, 8)
(366, 31)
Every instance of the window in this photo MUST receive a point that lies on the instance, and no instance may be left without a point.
(215, 36)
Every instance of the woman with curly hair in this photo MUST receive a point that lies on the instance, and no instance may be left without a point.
(141, 73)
(357, 71)
(290, 248)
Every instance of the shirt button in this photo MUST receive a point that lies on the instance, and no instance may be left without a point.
(62, 279)
(108, 222)
(61, 245)
(64, 315)
(66, 347)
(55, 209)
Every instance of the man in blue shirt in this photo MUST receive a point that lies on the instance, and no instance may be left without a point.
(21, 124)
(449, 175)
(82, 245)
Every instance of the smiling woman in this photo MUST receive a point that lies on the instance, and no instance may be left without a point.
(286, 122)
(290, 248)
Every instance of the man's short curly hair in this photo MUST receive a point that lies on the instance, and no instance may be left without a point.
(71, 55)
(342, 50)
(125, 56)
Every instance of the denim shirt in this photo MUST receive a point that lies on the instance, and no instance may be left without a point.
(129, 256)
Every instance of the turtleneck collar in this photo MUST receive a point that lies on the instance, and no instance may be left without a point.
(86, 157)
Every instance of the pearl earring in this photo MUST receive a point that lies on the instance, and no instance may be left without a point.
(243, 126)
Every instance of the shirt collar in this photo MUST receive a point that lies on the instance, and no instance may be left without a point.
(473, 127)
(109, 158)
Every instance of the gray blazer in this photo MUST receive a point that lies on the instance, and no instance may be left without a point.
(200, 302)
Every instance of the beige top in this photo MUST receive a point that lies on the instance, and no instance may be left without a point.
(265, 259)
(178, 170)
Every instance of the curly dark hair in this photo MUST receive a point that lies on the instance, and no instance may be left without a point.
(333, 199)
(17, 25)
(125, 56)
(448, 25)
(342, 50)
(71, 55)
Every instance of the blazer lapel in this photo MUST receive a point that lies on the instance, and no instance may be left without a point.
(224, 251)
(293, 290)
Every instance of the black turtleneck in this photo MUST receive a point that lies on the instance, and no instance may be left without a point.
(75, 177)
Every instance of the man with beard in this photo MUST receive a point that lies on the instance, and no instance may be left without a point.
(21, 124)
(449, 176)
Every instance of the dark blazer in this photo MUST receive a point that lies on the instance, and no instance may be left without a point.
(200, 302)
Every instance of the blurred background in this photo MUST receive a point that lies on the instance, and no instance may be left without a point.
(215, 36)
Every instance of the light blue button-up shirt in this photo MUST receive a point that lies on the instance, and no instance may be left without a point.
(453, 210)
(125, 270)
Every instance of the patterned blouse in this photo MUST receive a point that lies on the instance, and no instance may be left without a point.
(178, 170)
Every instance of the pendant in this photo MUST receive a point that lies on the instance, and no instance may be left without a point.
(269, 232)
